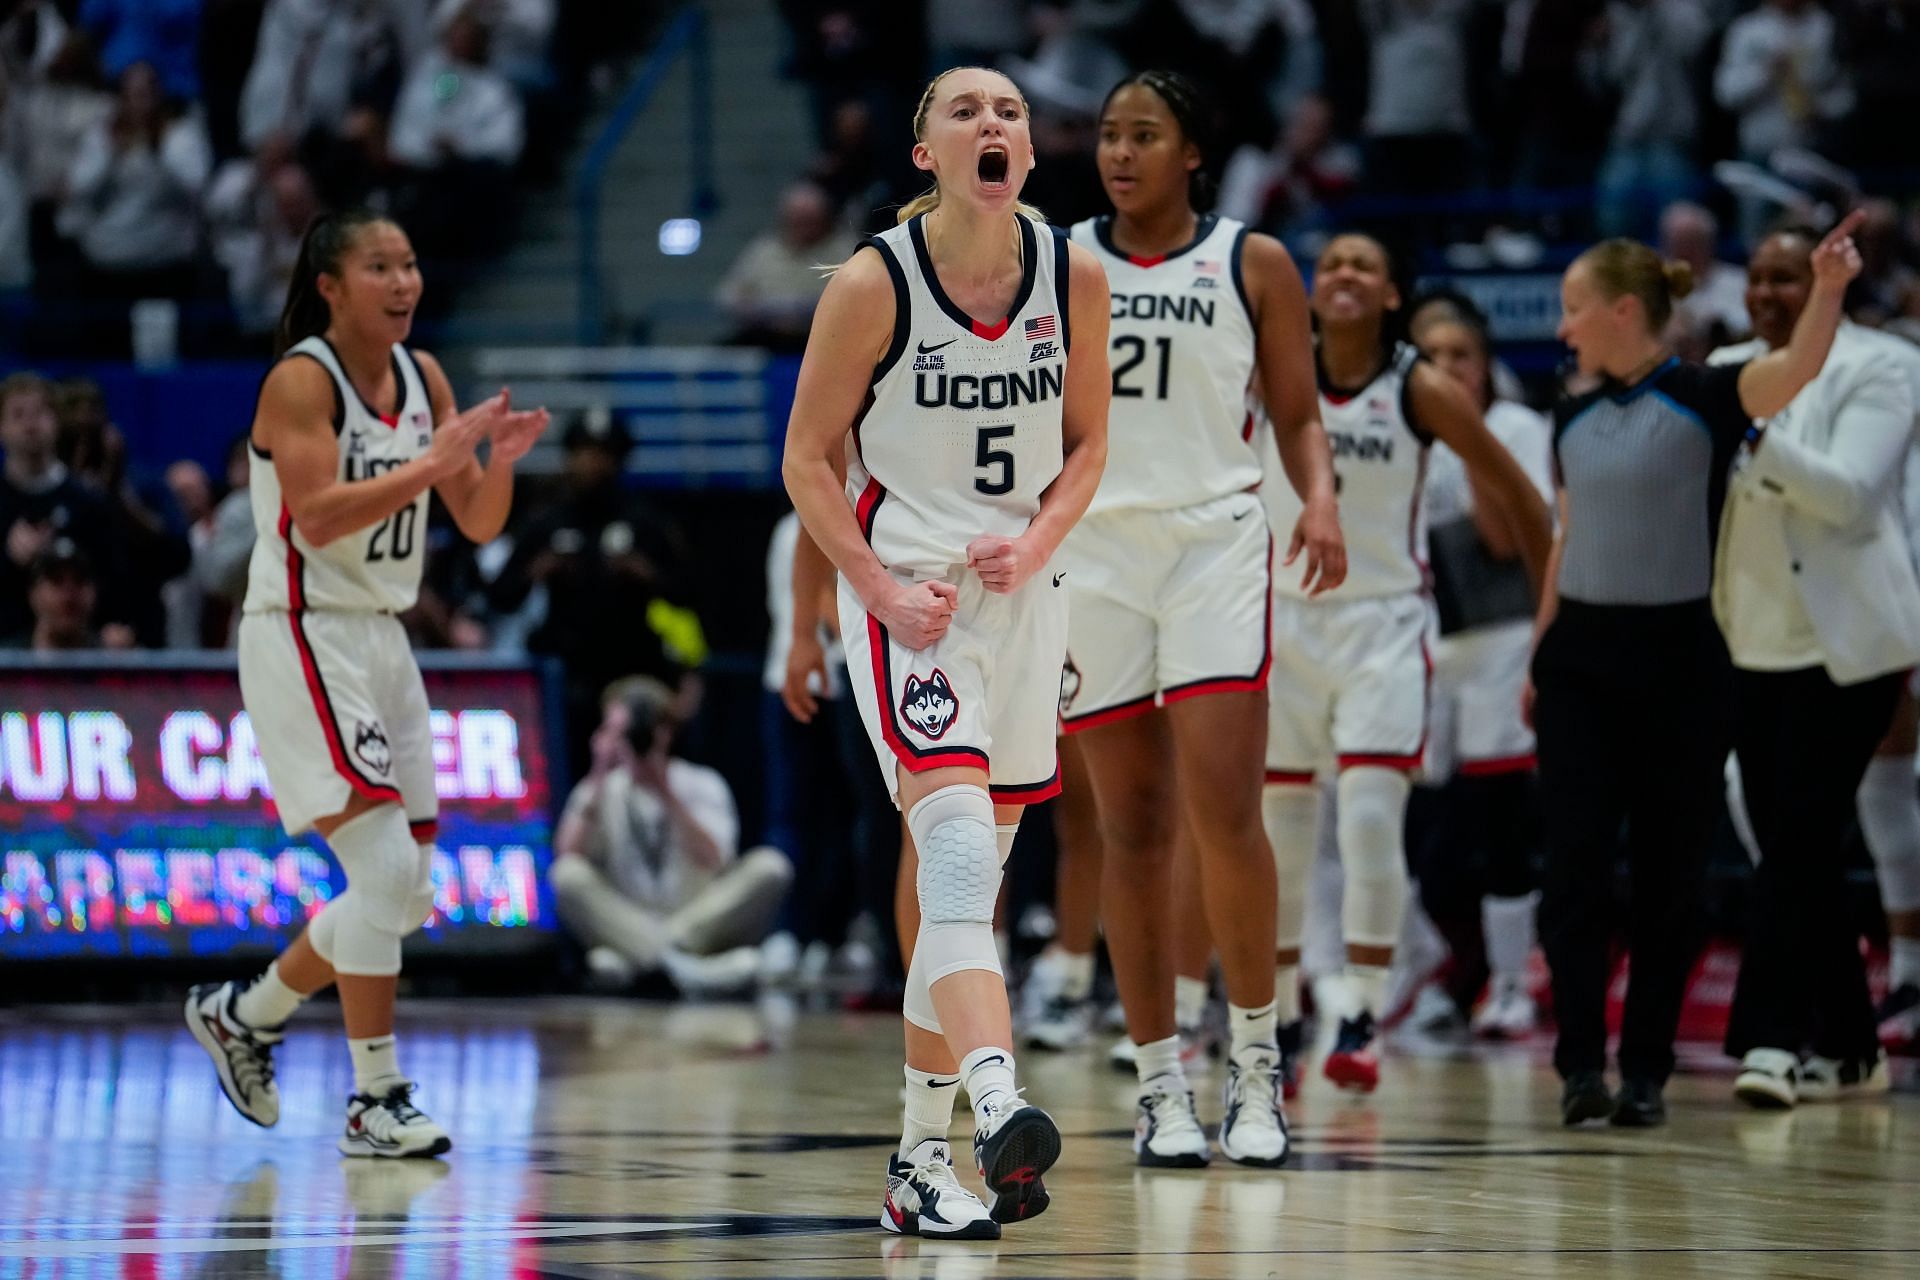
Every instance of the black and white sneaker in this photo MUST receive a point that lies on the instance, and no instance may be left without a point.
(1166, 1132)
(242, 1055)
(924, 1198)
(1254, 1131)
(391, 1126)
(1831, 1079)
(1060, 1025)
(1769, 1079)
(1018, 1143)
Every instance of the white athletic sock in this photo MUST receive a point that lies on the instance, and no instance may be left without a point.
(988, 1073)
(268, 1002)
(1508, 925)
(375, 1067)
(929, 1110)
(1189, 1001)
(1890, 821)
(1003, 837)
(1076, 974)
(1368, 985)
(1251, 1028)
(1906, 963)
(1161, 1058)
(1286, 993)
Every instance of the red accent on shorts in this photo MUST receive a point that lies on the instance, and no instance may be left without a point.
(1094, 719)
(426, 831)
(864, 508)
(1379, 760)
(1492, 768)
(310, 668)
(1031, 793)
(991, 332)
(1236, 684)
(1246, 432)
(1290, 777)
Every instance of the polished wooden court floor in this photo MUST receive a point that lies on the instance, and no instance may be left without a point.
(607, 1139)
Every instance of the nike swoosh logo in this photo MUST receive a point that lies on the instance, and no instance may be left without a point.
(1057, 577)
(995, 1058)
(1242, 516)
(943, 1084)
(924, 349)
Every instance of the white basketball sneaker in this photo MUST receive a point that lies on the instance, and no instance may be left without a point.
(242, 1055)
(1508, 1013)
(1254, 1131)
(1061, 1025)
(391, 1126)
(925, 1198)
(1769, 1079)
(1166, 1132)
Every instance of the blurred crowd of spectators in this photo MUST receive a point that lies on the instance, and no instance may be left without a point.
(176, 149)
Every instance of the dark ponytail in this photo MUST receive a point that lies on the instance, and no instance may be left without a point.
(326, 242)
(1194, 111)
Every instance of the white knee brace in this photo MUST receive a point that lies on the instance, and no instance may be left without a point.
(1292, 816)
(389, 893)
(958, 883)
(1372, 830)
(1890, 821)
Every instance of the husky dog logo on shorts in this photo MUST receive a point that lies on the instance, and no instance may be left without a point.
(1069, 685)
(929, 705)
(370, 744)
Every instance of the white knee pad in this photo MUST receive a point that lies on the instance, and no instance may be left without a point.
(1004, 835)
(958, 883)
(1372, 832)
(383, 866)
(1291, 813)
(420, 901)
(1890, 821)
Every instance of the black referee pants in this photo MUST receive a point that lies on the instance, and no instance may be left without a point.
(1804, 742)
(1631, 714)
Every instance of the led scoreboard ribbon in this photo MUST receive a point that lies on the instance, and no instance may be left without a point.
(136, 819)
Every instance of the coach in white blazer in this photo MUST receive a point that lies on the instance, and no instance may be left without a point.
(1815, 589)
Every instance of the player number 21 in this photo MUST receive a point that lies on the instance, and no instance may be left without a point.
(1137, 346)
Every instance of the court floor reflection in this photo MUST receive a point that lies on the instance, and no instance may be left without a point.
(605, 1139)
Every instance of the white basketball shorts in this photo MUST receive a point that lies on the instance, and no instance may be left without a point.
(1476, 725)
(339, 710)
(1166, 605)
(1350, 685)
(983, 696)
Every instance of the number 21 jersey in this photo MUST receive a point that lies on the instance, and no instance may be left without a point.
(1183, 356)
(372, 570)
(961, 433)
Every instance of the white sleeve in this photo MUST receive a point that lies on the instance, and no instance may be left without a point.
(410, 138)
(1745, 74)
(1872, 433)
(708, 798)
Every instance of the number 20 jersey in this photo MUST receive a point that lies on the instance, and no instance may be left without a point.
(371, 570)
(961, 433)
(1182, 351)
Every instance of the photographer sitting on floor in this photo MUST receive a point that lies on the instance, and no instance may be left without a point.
(645, 873)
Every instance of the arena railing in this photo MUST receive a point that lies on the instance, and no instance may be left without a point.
(686, 36)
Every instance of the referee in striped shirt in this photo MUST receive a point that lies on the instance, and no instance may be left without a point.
(1631, 679)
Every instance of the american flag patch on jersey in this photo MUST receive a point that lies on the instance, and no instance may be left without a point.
(1040, 327)
(1207, 266)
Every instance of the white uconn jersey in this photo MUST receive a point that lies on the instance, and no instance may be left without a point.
(376, 568)
(962, 432)
(1380, 468)
(1183, 356)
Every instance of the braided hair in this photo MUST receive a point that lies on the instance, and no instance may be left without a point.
(1193, 110)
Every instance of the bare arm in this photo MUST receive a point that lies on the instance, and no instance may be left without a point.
(480, 498)
(851, 330)
(1769, 384)
(1004, 564)
(813, 605)
(1284, 337)
(1500, 484)
(295, 424)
